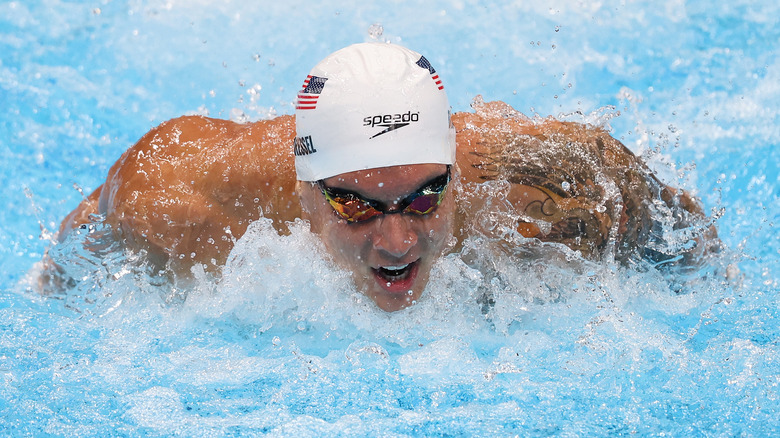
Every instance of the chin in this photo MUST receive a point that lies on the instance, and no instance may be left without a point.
(393, 300)
(392, 304)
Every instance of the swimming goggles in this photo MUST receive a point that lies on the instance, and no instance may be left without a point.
(355, 208)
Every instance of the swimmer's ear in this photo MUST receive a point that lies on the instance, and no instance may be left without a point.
(455, 169)
(307, 193)
(302, 194)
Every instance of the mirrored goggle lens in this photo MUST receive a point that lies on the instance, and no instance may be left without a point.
(424, 204)
(353, 210)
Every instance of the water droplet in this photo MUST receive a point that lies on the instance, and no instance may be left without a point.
(375, 31)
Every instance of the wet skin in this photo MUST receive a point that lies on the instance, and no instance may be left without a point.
(390, 256)
(192, 185)
(551, 218)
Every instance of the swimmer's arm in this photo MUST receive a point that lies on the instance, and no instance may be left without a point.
(707, 242)
(192, 185)
(81, 214)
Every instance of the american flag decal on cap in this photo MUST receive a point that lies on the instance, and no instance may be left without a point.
(312, 87)
(422, 62)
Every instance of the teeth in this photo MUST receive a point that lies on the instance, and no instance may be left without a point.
(395, 268)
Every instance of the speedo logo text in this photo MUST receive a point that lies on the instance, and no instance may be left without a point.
(390, 122)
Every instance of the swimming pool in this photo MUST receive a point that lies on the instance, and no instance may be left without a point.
(283, 345)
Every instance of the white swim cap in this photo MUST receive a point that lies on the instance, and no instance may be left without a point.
(371, 105)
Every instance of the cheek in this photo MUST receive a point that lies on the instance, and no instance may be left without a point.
(437, 229)
(346, 242)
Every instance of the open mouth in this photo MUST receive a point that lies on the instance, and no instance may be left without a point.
(396, 279)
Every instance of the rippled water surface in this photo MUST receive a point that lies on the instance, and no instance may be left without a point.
(283, 344)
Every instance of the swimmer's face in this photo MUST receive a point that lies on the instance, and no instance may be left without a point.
(390, 255)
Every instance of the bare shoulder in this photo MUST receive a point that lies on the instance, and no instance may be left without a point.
(572, 183)
(193, 184)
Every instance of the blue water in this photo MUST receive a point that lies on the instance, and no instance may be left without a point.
(283, 344)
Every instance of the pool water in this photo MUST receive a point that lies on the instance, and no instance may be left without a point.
(283, 344)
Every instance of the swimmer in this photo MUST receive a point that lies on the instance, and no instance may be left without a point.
(387, 177)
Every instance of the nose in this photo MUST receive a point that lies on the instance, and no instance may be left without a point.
(394, 235)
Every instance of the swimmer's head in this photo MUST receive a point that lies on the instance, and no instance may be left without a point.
(374, 138)
(368, 106)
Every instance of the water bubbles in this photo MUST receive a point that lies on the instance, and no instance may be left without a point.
(238, 115)
(375, 31)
